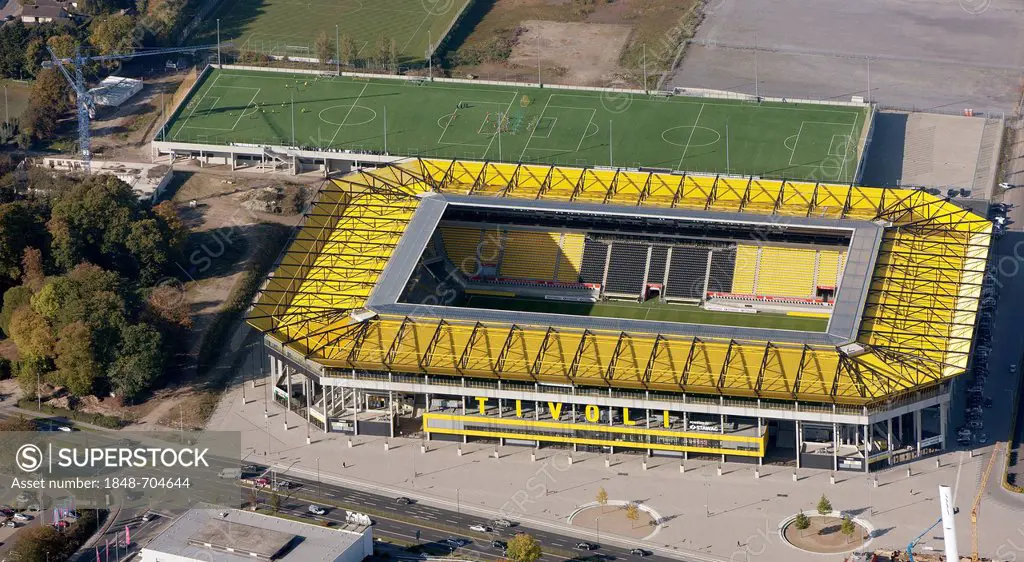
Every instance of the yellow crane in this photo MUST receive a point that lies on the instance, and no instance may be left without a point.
(977, 501)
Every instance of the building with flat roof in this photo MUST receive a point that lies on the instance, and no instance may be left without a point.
(211, 534)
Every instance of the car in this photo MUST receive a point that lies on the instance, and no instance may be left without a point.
(503, 523)
(975, 424)
(586, 546)
(231, 473)
(316, 510)
(1006, 185)
(500, 545)
(33, 507)
(284, 485)
(982, 438)
(64, 428)
(22, 517)
(261, 482)
(404, 500)
(11, 523)
(456, 542)
(480, 528)
(639, 552)
(1013, 368)
(148, 516)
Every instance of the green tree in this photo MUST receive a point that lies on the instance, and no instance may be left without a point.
(847, 528)
(48, 102)
(324, 48)
(33, 273)
(824, 506)
(170, 222)
(35, 53)
(802, 521)
(91, 221)
(275, 501)
(38, 543)
(14, 298)
(632, 513)
(77, 367)
(113, 34)
(21, 226)
(385, 52)
(139, 361)
(348, 51)
(63, 45)
(602, 496)
(523, 548)
(31, 333)
(147, 243)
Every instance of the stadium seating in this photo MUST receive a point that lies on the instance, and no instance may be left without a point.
(656, 273)
(786, 272)
(626, 268)
(530, 255)
(828, 268)
(570, 260)
(594, 255)
(686, 272)
(461, 244)
(745, 271)
(723, 265)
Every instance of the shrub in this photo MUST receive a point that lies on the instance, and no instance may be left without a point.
(801, 522)
(824, 506)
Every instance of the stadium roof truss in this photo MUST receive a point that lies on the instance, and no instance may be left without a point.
(914, 328)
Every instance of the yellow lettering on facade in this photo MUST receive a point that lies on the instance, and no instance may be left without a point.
(664, 418)
(556, 410)
(625, 417)
(519, 408)
(482, 401)
(592, 413)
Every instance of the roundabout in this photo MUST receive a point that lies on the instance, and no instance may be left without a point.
(613, 518)
(824, 534)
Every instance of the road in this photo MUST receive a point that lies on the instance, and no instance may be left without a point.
(434, 524)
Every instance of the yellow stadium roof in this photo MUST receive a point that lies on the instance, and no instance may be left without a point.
(916, 326)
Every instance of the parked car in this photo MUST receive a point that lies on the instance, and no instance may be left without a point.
(22, 517)
(639, 552)
(480, 528)
(982, 438)
(148, 516)
(500, 545)
(586, 546)
(261, 482)
(11, 523)
(316, 510)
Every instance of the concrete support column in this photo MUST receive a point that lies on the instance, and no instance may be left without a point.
(721, 431)
(426, 409)
(501, 414)
(288, 386)
(760, 459)
(465, 438)
(917, 431)
(307, 389)
(391, 411)
(799, 443)
(943, 420)
(867, 446)
(647, 411)
(888, 439)
(835, 446)
(355, 411)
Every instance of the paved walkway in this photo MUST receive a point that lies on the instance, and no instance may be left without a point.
(709, 517)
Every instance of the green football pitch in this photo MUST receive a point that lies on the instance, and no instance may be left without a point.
(290, 27)
(651, 310)
(514, 123)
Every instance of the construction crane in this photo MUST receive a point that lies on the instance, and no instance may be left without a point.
(83, 99)
(977, 501)
(917, 539)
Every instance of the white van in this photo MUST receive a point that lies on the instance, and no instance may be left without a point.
(232, 473)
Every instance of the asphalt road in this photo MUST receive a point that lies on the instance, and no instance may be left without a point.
(433, 523)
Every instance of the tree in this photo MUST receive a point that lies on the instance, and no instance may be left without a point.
(275, 501)
(31, 333)
(632, 513)
(324, 48)
(148, 245)
(77, 367)
(167, 215)
(602, 496)
(63, 45)
(91, 221)
(33, 275)
(385, 52)
(37, 543)
(113, 34)
(824, 506)
(523, 548)
(49, 100)
(139, 361)
(21, 226)
(14, 298)
(348, 51)
(801, 522)
(35, 53)
(847, 528)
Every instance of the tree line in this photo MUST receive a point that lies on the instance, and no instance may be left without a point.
(81, 262)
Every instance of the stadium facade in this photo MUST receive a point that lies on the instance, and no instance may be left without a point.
(609, 310)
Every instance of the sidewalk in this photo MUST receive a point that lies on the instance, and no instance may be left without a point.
(708, 517)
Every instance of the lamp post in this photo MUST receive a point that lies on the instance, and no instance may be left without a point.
(458, 503)
(318, 478)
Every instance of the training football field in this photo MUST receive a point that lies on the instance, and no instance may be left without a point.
(651, 310)
(290, 27)
(522, 124)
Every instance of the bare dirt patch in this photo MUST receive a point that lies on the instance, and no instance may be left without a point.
(586, 52)
(613, 519)
(824, 536)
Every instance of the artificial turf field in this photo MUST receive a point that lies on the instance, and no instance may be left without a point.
(290, 27)
(517, 123)
(651, 310)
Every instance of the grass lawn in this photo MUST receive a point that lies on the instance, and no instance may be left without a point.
(290, 27)
(16, 100)
(516, 123)
(652, 310)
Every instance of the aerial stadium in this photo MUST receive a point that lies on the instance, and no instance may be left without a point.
(606, 310)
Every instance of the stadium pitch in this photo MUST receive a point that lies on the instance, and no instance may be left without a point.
(290, 27)
(522, 124)
(650, 310)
